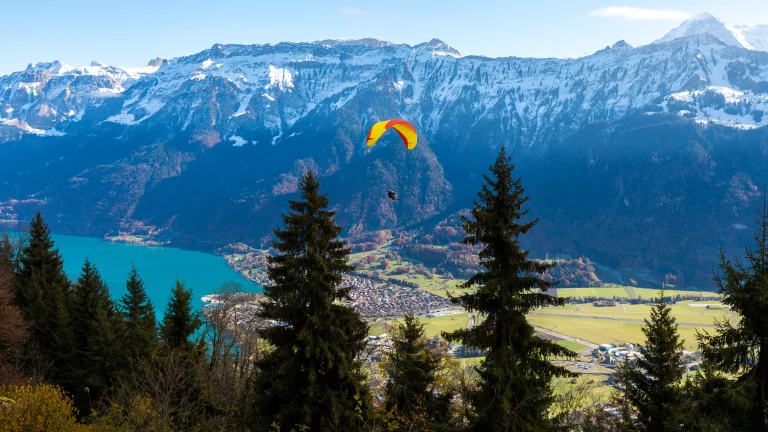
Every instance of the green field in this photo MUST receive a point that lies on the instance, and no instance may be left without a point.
(595, 330)
(601, 331)
(432, 326)
(606, 330)
(573, 346)
(683, 311)
(626, 292)
(592, 292)
(599, 390)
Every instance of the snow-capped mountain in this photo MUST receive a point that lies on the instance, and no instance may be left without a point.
(45, 95)
(205, 147)
(756, 35)
(707, 23)
(752, 37)
(266, 89)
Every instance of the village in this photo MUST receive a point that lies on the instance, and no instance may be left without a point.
(382, 301)
(371, 298)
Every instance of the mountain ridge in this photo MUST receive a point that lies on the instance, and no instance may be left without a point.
(708, 23)
(208, 147)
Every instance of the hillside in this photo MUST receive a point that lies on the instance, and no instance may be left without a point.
(645, 158)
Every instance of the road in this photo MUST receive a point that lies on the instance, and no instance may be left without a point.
(617, 319)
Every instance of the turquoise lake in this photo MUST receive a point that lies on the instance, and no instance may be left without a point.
(157, 266)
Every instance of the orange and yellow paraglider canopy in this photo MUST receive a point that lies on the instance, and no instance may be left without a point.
(406, 131)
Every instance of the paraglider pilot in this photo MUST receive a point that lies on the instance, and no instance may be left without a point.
(403, 128)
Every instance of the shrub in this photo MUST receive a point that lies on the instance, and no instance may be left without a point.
(140, 415)
(41, 407)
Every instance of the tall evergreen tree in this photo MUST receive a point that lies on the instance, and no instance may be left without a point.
(13, 329)
(653, 382)
(712, 403)
(313, 378)
(180, 321)
(42, 293)
(7, 255)
(177, 349)
(139, 315)
(96, 327)
(743, 350)
(410, 400)
(514, 392)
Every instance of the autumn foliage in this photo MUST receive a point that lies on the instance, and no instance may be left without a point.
(42, 407)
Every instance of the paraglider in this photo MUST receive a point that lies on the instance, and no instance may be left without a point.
(406, 131)
(403, 128)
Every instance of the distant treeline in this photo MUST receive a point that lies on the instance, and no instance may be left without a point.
(640, 300)
(376, 277)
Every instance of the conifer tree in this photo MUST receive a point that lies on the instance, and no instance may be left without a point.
(139, 315)
(180, 321)
(410, 402)
(712, 403)
(743, 350)
(313, 379)
(514, 392)
(653, 382)
(96, 327)
(43, 294)
(13, 329)
(7, 255)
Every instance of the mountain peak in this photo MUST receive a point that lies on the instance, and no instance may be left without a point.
(157, 62)
(96, 63)
(710, 24)
(621, 44)
(54, 67)
(706, 16)
(437, 45)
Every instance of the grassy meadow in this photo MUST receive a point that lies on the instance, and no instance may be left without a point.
(611, 324)
(627, 292)
(432, 326)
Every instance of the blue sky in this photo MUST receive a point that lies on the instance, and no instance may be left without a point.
(131, 33)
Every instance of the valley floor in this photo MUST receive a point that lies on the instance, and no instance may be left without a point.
(392, 290)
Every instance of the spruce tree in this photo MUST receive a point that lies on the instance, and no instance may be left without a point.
(43, 294)
(96, 327)
(180, 321)
(313, 379)
(13, 329)
(7, 255)
(410, 402)
(743, 350)
(712, 403)
(139, 315)
(178, 349)
(514, 390)
(653, 382)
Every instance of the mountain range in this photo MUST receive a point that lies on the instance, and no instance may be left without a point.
(647, 158)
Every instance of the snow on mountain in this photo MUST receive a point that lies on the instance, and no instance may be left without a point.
(259, 92)
(271, 87)
(46, 94)
(720, 105)
(756, 35)
(707, 23)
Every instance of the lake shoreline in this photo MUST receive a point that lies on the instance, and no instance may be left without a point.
(159, 266)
